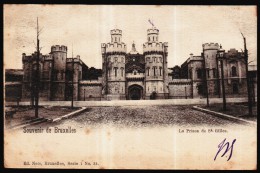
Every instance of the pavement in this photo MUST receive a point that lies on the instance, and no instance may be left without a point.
(196, 101)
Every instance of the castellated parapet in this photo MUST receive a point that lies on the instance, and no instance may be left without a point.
(154, 47)
(114, 48)
(57, 48)
(152, 31)
(116, 31)
(210, 46)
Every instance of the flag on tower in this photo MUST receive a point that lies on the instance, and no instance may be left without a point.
(150, 22)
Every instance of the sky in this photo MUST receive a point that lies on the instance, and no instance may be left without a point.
(185, 28)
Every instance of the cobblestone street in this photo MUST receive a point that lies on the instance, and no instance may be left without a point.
(143, 116)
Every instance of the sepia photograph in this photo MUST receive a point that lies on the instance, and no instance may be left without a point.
(164, 87)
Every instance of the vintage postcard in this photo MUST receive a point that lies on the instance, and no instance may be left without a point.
(130, 87)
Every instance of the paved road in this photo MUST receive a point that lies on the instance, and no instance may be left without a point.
(143, 116)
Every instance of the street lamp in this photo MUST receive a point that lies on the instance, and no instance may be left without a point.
(220, 56)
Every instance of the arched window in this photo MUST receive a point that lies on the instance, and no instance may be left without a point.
(199, 74)
(235, 88)
(234, 71)
(115, 71)
(154, 59)
(122, 72)
(115, 59)
(154, 71)
(208, 73)
(109, 73)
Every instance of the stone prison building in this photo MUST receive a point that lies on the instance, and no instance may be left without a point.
(130, 75)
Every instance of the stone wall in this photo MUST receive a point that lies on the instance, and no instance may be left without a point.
(180, 88)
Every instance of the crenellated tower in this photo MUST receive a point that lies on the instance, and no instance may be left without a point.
(156, 76)
(59, 55)
(113, 66)
(210, 58)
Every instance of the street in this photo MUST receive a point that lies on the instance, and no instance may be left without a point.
(142, 116)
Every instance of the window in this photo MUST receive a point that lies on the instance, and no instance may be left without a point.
(115, 71)
(214, 73)
(115, 39)
(80, 75)
(122, 72)
(154, 59)
(199, 74)
(134, 72)
(115, 59)
(160, 71)
(154, 71)
(234, 71)
(122, 59)
(200, 89)
(148, 71)
(153, 38)
(160, 59)
(148, 59)
(109, 74)
(235, 88)
(148, 38)
(208, 73)
(119, 39)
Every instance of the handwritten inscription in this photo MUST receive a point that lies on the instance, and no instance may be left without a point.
(225, 145)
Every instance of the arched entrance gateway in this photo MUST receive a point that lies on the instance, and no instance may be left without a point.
(135, 92)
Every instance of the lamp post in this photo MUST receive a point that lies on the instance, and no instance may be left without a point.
(220, 56)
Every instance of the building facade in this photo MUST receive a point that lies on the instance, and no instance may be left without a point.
(135, 76)
(203, 73)
(131, 75)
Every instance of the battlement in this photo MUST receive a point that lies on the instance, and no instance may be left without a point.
(210, 46)
(152, 31)
(103, 45)
(147, 47)
(115, 47)
(34, 55)
(116, 32)
(75, 60)
(61, 48)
